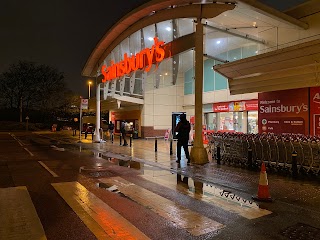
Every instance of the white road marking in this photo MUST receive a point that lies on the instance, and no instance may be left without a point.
(18, 216)
(29, 152)
(193, 222)
(48, 169)
(14, 137)
(101, 219)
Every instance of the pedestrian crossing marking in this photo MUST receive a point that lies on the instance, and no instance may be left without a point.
(191, 221)
(211, 196)
(18, 217)
(102, 220)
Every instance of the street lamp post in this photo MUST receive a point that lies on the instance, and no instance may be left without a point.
(89, 87)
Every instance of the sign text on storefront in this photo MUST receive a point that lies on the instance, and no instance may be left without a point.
(142, 60)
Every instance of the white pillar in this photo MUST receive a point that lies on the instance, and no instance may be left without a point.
(98, 118)
(245, 122)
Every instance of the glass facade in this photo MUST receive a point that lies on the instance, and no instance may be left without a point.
(253, 122)
(230, 121)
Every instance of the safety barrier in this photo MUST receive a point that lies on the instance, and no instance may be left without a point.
(294, 153)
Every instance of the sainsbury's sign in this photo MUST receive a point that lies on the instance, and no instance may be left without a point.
(142, 60)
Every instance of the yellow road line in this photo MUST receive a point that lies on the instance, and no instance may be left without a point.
(18, 217)
(211, 196)
(102, 220)
(191, 221)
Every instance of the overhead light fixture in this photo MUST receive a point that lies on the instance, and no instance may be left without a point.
(168, 29)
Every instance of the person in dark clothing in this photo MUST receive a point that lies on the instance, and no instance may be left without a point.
(123, 132)
(183, 129)
(111, 129)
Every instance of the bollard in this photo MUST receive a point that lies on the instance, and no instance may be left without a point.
(218, 155)
(171, 147)
(120, 138)
(294, 164)
(250, 157)
(130, 140)
(156, 144)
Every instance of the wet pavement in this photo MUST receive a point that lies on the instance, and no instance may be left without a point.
(293, 214)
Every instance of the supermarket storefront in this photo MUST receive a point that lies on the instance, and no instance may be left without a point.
(236, 116)
(145, 64)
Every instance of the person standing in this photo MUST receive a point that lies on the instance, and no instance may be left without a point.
(183, 129)
(111, 129)
(123, 132)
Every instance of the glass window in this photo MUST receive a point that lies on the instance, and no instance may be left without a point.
(208, 75)
(220, 82)
(149, 34)
(231, 121)
(188, 81)
(185, 26)
(253, 122)
(165, 31)
(211, 121)
(234, 55)
(135, 43)
(248, 51)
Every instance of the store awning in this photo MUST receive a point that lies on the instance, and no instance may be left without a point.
(287, 68)
(116, 102)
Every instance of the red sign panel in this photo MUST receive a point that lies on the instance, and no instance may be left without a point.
(221, 107)
(247, 105)
(315, 111)
(192, 120)
(284, 111)
(251, 105)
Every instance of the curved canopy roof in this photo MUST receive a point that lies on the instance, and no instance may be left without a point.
(161, 10)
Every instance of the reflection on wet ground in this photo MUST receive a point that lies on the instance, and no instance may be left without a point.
(178, 180)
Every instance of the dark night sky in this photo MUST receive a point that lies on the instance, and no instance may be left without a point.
(59, 33)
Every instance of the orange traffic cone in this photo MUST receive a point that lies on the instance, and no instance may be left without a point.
(263, 189)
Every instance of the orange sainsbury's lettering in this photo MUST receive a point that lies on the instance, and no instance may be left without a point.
(142, 60)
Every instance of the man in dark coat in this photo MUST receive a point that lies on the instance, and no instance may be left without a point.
(123, 132)
(183, 129)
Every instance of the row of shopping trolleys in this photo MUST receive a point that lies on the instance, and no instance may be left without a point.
(276, 151)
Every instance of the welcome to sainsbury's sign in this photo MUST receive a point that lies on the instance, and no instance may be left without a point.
(142, 60)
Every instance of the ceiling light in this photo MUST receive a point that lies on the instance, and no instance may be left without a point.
(168, 29)
(166, 74)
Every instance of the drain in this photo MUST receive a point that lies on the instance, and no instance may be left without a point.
(301, 231)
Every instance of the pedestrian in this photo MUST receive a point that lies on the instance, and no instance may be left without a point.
(183, 129)
(111, 129)
(123, 132)
(101, 134)
(86, 133)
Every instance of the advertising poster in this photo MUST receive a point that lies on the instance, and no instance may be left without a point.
(315, 110)
(284, 111)
(246, 105)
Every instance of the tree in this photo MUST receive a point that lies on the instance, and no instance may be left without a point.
(29, 86)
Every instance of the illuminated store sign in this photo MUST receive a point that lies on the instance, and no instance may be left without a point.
(142, 60)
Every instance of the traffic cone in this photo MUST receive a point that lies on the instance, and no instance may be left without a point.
(263, 189)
